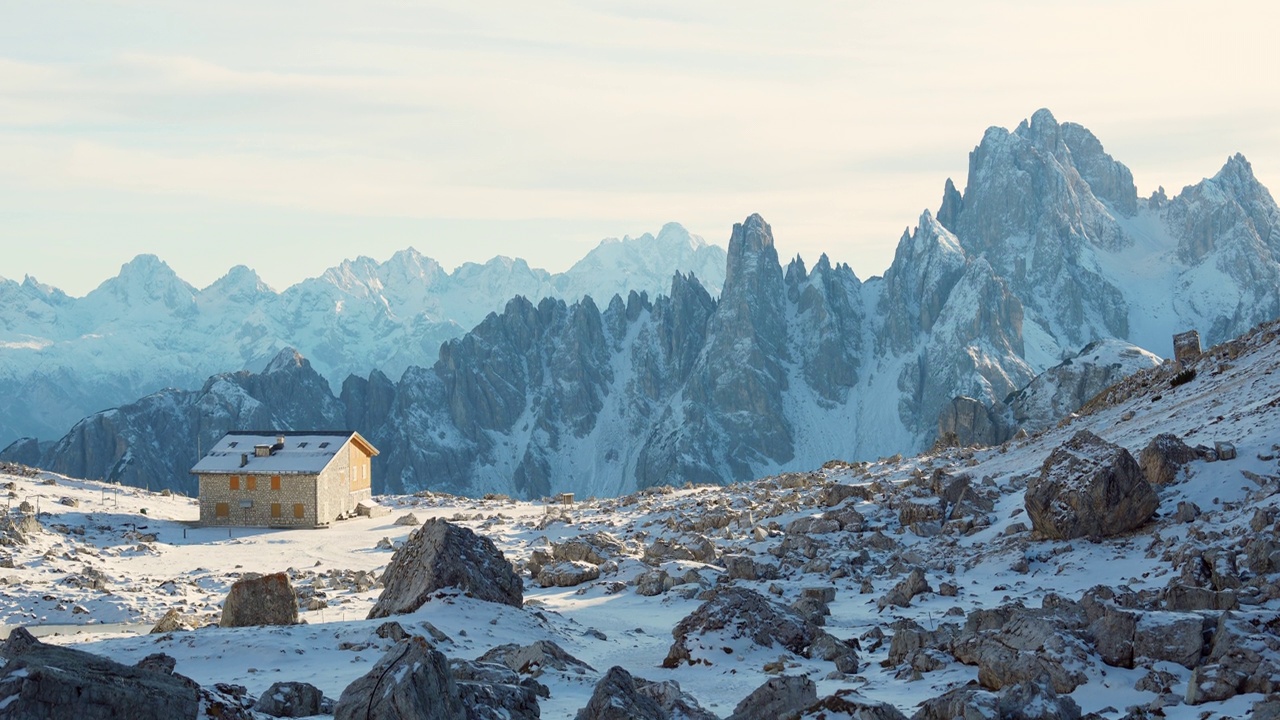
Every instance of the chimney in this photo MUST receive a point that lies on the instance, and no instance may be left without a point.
(244, 459)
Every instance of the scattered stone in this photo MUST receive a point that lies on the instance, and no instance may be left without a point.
(260, 600)
(1089, 487)
(408, 519)
(69, 501)
(440, 554)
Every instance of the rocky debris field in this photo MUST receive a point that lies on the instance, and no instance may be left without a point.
(1125, 564)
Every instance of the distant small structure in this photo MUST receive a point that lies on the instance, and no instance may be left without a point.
(1186, 347)
(565, 498)
(257, 478)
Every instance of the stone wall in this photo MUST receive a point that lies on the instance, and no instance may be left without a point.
(294, 490)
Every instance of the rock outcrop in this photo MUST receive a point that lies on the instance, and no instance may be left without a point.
(787, 695)
(438, 555)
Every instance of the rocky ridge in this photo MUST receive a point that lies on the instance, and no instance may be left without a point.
(792, 365)
(62, 358)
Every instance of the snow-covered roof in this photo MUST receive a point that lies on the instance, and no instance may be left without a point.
(300, 452)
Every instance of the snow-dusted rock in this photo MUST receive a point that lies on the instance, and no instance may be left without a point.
(786, 695)
(534, 658)
(1089, 487)
(290, 700)
(440, 554)
(734, 614)
(260, 600)
(411, 681)
(616, 697)
(47, 682)
(846, 704)
(567, 574)
(1164, 457)
(906, 589)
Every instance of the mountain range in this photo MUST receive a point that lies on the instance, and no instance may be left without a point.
(1048, 250)
(62, 358)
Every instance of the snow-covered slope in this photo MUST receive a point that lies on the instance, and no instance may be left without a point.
(105, 555)
(62, 358)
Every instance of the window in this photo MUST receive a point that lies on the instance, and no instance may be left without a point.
(235, 482)
(251, 482)
(222, 510)
(302, 444)
(275, 482)
(299, 511)
(232, 444)
(324, 444)
(275, 510)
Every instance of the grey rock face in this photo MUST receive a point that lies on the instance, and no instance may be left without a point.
(290, 699)
(48, 682)
(567, 574)
(440, 554)
(777, 697)
(1089, 486)
(493, 692)
(261, 600)
(411, 681)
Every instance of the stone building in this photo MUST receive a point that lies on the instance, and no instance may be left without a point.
(284, 479)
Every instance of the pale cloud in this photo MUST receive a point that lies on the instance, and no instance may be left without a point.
(837, 121)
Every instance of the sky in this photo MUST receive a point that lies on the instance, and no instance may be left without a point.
(290, 135)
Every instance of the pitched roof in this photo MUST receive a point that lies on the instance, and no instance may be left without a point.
(302, 452)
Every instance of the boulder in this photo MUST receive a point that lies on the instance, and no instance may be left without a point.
(567, 574)
(1089, 487)
(171, 622)
(50, 682)
(848, 704)
(291, 700)
(1241, 659)
(778, 697)
(1035, 701)
(411, 681)
(654, 582)
(596, 548)
(408, 519)
(440, 554)
(494, 692)
(1012, 644)
(260, 600)
(733, 615)
(966, 702)
(910, 586)
(532, 659)
(616, 697)
(1164, 457)
(675, 703)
